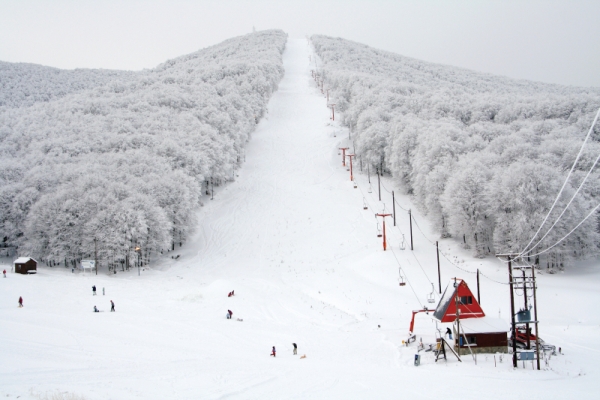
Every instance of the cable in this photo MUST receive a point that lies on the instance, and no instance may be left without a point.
(564, 184)
(568, 204)
(567, 235)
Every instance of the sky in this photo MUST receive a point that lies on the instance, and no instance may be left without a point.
(556, 41)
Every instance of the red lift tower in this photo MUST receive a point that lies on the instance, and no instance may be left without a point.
(350, 157)
(383, 216)
(343, 149)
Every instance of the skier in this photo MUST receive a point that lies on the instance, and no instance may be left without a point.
(229, 314)
(4, 272)
(94, 290)
(103, 292)
(96, 309)
(20, 301)
(233, 292)
(295, 349)
(273, 352)
(112, 306)
(230, 294)
(449, 333)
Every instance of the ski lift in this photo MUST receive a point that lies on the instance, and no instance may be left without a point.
(355, 186)
(379, 234)
(401, 280)
(365, 204)
(370, 190)
(430, 296)
(403, 244)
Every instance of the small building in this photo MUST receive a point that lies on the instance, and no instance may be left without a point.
(88, 265)
(484, 335)
(25, 265)
(479, 333)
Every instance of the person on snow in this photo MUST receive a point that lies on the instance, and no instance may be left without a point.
(229, 295)
(4, 272)
(233, 292)
(96, 309)
(273, 352)
(449, 333)
(20, 301)
(112, 306)
(229, 314)
(295, 349)
(94, 290)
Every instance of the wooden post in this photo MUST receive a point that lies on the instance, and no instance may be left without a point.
(535, 317)
(394, 207)
(437, 249)
(512, 313)
(379, 183)
(96, 255)
(478, 298)
(410, 221)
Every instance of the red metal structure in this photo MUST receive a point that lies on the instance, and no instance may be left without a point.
(343, 149)
(350, 157)
(383, 216)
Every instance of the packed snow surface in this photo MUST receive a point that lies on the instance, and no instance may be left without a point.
(292, 238)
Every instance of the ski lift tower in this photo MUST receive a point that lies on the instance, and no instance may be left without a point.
(526, 284)
(383, 217)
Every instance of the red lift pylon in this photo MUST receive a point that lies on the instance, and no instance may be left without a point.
(350, 157)
(332, 111)
(343, 149)
(383, 216)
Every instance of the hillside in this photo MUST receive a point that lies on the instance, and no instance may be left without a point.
(125, 163)
(484, 156)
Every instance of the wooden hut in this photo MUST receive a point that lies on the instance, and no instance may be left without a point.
(476, 331)
(25, 265)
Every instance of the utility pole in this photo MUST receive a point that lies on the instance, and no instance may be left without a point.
(535, 317)
(327, 96)
(437, 249)
(457, 318)
(343, 149)
(478, 298)
(350, 157)
(512, 313)
(379, 183)
(383, 217)
(394, 207)
(369, 172)
(411, 238)
(525, 299)
(332, 106)
(96, 255)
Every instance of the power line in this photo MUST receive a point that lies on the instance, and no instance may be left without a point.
(564, 184)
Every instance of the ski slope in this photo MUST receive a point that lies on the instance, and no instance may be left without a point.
(291, 237)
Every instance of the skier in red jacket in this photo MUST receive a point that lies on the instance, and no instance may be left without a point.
(20, 301)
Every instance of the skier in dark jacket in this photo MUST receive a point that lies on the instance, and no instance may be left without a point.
(20, 301)
(229, 314)
(295, 348)
(94, 290)
(112, 306)
(96, 309)
(449, 333)
(273, 352)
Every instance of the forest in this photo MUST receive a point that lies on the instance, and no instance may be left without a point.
(483, 156)
(118, 162)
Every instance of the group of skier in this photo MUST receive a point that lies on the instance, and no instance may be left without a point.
(112, 303)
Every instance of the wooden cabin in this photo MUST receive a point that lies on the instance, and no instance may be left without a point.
(479, 333)
(25, 265)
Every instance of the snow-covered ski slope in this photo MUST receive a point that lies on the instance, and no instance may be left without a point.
(291, 237)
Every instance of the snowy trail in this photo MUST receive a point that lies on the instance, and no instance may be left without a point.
(291, 237)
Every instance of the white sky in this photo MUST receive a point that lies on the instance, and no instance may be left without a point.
(544, 40)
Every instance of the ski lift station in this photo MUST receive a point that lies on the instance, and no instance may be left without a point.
(472, 331)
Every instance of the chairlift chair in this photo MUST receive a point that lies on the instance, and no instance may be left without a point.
(430, 296)
(401, 280)
(365, 204)
(379, 234)
(403, 244)
(370, 190)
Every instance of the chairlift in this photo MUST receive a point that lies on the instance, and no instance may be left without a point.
(430, 296)
(355, 185)
(401, 280)
(379, 234)
(370, 190)
(403, 244)
(365, 207)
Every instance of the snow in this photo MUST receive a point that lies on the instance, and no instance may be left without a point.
(290, 236)
(22, 260)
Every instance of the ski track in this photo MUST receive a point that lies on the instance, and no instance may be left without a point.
(291, 237)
